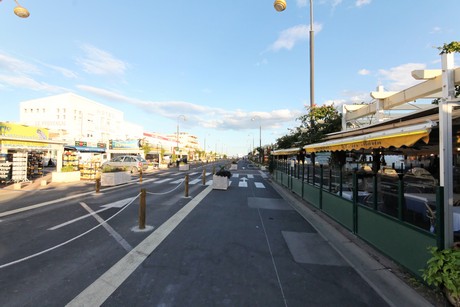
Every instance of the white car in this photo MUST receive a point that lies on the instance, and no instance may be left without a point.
(132, 163)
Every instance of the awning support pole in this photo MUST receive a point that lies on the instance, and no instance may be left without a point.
(445, 144)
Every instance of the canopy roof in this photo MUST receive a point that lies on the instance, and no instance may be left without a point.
(398, 137)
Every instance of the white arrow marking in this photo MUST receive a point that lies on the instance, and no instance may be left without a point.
(117, 204)
(243, 183)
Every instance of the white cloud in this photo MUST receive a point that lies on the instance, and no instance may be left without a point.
(436, 30)
(289, 37)
(364, 72)
(360, 3)
(25, 82)
(301, 3)
(204, 116)
(10, 64)
(100, 62)
(399, 78)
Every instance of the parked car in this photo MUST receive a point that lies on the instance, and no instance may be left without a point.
(420, 176)
(132, 163)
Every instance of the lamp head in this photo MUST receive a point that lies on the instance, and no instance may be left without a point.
(280, 5)
(21, 11)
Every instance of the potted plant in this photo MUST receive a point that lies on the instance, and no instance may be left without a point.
(114, 175)
(221, 178)
(67, 174)
(443, 272)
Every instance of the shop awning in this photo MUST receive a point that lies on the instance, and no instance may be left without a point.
(85, 149)
(286, 152)
(398, 137)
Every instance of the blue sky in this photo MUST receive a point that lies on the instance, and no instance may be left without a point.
(218, 63)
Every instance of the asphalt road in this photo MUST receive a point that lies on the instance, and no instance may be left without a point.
(241, 247)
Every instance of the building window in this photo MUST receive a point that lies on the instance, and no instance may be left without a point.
(31, 110)
(25, 110)
(43, 110)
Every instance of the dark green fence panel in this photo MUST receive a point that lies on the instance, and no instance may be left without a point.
(297, 186)
(311, 194)
(401, 242)
(339, 209)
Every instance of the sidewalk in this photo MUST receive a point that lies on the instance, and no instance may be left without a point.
(244, 247)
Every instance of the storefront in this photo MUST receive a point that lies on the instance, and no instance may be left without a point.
(83, 158)
(24, 150)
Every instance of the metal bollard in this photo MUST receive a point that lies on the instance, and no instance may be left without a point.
(98, 185)
(142, 209)
(204, 176)
(140, 175)
(213, 169)
(186, 185)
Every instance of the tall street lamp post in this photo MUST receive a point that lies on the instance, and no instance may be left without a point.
(177, 139)
(280, 5)
(260, 136)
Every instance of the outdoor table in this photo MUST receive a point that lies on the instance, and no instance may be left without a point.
(456, 219)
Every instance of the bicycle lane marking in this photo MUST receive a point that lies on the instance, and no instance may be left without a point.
(96, 293)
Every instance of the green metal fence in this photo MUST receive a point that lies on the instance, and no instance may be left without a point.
(384, 212)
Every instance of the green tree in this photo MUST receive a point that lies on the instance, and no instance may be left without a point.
(318, 122)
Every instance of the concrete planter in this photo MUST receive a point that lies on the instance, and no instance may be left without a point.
(184, 167)
(219, 182)
(115, 178)
(233, 167)
(65, 176)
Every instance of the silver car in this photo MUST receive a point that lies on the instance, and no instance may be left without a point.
(132, 163)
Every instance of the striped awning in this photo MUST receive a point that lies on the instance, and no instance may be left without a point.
(286, 152)
(398, 137)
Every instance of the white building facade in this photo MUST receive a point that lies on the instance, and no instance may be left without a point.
(71, 118)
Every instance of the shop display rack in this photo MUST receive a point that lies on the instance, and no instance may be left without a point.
(70, 158)
(35, 164)
(89, 170)
(19, 173)
(5, 172)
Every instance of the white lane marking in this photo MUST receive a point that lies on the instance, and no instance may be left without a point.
(104, 286)
(243, 183)
(259, 185)
(195, 181)
(263, 174)
(117, 204)
(250, 176)
(236, 175)
(209, 182)
(177, 181)
(192, 174)
(163, 180)
(109, 228)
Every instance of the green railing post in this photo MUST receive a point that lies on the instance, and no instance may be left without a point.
(321, 174)
(400, 197)
(355, 202)
(440, 239)
(308, 174)
(303, 176)
(341, 180)
(330, 178)
(374, 190)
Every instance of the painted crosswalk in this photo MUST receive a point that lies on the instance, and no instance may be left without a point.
(238, 180)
